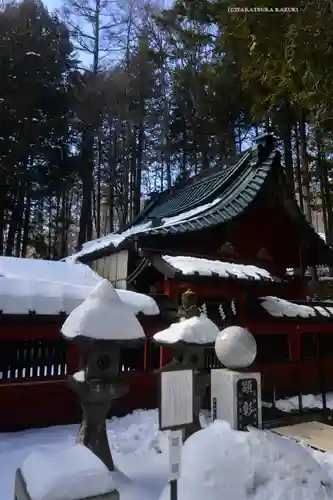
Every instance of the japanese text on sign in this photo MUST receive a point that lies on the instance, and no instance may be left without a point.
(247, 403)
(176, 398)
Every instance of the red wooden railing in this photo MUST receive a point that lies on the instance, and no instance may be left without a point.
(34, 365)
(35, 362)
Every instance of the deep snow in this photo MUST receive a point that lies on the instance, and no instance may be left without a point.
(217, 462)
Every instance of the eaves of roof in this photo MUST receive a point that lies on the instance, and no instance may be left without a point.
(176, 274)
(323, 313)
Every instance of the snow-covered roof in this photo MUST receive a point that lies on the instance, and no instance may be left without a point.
(204, 267)
(280, 308)
(117, 238)
(102, 315)
(196, 330)
(50, 287)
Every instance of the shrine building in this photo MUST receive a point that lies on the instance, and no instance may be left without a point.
(231, 235)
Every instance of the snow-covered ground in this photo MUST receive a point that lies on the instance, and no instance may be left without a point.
(309, 401)
(217, 462)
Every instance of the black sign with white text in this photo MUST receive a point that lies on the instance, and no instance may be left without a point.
(247, 403)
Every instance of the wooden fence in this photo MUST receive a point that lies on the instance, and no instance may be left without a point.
(34, 365)
(35, 362)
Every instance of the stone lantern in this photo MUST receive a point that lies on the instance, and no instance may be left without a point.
(99, 327)
(188, 339)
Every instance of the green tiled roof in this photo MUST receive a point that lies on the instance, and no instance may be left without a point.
(212, 199)
(232, 190)
(198, 193)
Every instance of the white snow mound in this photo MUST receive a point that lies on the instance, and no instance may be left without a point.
(255, 465)
(69, 474)
(50, 287)
(197, 330)
(139, 302)
(103, 316)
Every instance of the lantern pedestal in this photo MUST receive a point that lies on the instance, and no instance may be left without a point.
(236, 398)
(96, 399)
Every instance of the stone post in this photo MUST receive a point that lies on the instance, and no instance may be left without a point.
(96, 400)
(235, 392)
(96, 385)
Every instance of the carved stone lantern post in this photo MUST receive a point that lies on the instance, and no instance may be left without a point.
(99, 327)
(188, 338)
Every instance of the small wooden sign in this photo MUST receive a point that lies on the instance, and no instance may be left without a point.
(247, 403)
(176, 409)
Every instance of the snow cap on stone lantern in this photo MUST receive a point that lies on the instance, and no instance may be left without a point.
(235, 347)
(198, 330)
(103, 316)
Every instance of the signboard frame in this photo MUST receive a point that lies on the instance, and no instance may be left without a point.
(160, 416)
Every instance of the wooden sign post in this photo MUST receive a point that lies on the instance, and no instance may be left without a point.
(176, 412)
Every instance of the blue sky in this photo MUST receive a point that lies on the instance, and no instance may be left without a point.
(52, 4)
(56, 4)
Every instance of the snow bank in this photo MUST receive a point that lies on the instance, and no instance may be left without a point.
(217, 463)
(196, 330)
(50, 287)
(137, 447)
(308, 401)
(205, 267)
(253, 465)
(103, 316)
(73, 473)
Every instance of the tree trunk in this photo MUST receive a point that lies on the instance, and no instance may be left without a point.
(87, 165)
(288, 157)
(298, 172)
(17, 214)
(305, 168)
(25, 237)
(98, 194)
(138, 171)
(306, 184)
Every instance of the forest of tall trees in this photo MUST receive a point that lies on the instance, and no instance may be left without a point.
(109, 102)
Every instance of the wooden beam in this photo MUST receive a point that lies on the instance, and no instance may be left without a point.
(314, 434)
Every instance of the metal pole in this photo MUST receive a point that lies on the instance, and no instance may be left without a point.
(174, 489)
